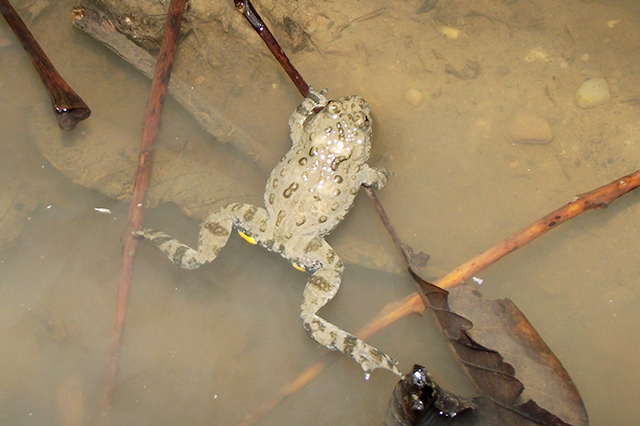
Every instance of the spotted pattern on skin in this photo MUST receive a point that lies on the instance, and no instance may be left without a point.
(249, 214)
(350, 343)
(320, 283)
(315, 326)
(178, 254)
(290, 190)
(307, 195)
(331, 256)
(314, 245)
(216, 229)
(163, 239)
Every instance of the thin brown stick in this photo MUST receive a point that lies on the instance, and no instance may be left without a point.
(69, 108)
(248, 11)
(595, 199)
(413, 304)
(150, 130)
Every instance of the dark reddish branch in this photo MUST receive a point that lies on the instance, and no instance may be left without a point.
(69, 108)
(150, 130)
(247, 10)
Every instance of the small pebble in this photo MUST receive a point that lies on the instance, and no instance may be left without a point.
(449, 32)
(529, 127)
(414, 96)
(592, 93)
(537, 54)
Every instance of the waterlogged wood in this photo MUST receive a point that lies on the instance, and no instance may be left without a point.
(104, 157)
(598, 198)
(251, 15)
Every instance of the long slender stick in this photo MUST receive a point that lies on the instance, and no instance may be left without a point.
(69, 108)
(595, 199)
(150, 130)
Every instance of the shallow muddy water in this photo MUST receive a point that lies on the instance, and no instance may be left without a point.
(209, 346)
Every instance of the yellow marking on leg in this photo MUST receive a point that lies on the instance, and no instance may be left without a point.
(298, 267)
(247, 238)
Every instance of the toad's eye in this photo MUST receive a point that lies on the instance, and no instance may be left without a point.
(361, 120)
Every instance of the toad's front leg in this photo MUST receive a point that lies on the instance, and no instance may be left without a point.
(320, 289)
(304, 110)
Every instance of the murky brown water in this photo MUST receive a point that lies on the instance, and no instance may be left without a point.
(208, 346)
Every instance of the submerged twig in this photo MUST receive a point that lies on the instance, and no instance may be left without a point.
(101, 28)
(362, 18)
(68, 106)
(151, 126)
(595, 199)
(248, 11)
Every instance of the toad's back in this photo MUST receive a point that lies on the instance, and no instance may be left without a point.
(314, 186)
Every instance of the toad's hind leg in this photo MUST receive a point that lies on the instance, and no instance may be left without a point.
(320, 289)
(213, 235)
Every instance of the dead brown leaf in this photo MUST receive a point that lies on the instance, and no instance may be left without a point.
(520, 380)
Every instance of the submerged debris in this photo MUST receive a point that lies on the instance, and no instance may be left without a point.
(418, 400)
